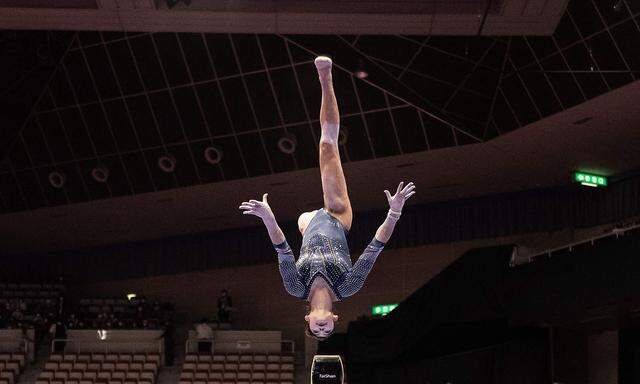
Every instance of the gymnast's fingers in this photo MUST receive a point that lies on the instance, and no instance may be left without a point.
(410, 187)
(409, 195)
(245, 206)
(386, 192)
(249, 213)
(399, 187)
(254, 201)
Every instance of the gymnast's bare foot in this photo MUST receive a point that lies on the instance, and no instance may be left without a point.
(323, 65)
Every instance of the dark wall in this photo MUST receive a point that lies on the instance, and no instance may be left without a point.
(478, 218)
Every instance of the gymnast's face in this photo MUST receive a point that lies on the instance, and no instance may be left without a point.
(321, 322)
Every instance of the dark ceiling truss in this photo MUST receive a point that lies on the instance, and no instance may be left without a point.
(123, 100)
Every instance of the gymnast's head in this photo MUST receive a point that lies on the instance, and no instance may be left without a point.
(320, 323)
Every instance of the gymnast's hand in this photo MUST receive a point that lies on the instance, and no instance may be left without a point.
(403, 193)
(257, 208)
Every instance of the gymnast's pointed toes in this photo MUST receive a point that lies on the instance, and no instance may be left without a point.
(323, 63)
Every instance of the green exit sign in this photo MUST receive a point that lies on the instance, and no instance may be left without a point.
(590, 180)
(381, 310)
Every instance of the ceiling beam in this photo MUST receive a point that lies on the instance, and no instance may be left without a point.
(514, 17)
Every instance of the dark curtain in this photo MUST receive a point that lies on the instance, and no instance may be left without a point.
(483, 217)
(462, 307)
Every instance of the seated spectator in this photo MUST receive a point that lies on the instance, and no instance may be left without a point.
(205, 335)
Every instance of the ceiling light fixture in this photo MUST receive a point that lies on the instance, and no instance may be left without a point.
(56, 179)
(361, 73)
(100, 174)
(167, 163)
(213, 155)
(287, 144)
(617, 6)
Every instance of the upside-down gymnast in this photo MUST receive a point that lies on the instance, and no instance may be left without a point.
(323, 273)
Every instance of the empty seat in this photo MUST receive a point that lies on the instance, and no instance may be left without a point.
(51, 358)
(80, 366)
(132, 375)
(273, 358)
(50, 366)
(188, 367)
(201, 376)
(287, 359)
(230, 367)
(245, 367)
(286, 367)
(84, 358)
(20, 358)
(232, 358)
(246, 359)
(186, 375)
(122, 367)
(259, 367)
(205, 359)
(12, 366)
(118, 375)
(135, 367)
(75, 375)
(273, 376)
(113, 358)
(65, 366)
(125, 357)
(108, 367)
(86, 382)
(244, 375)
(259, 359)
(216, 367)
(149, 376)
(155, 358)
(218, 358)
(90, 375)
(69, 357)
(229, 375)
(62, 375)
(215, 375)
(286, 376)
(150, 367)
(139, 358)
(191, 359)
(99, 357)
(202, 367)
(104, 375)
(93, 367)
(273, 367)
(46, 375)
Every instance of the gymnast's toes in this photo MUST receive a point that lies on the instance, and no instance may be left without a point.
(323, 63)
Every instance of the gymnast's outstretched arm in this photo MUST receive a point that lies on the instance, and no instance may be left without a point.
(286, 260)
(354, 279)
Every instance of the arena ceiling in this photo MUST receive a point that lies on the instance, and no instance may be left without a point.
(76, 101)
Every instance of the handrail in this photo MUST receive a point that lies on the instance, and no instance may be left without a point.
(617, 232)
(107, 343)
(242, 345)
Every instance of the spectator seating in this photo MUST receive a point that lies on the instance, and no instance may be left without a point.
(237, 369)
(11, 365)
(92, 368)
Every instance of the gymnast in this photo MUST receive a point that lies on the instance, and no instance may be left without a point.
(323, 273)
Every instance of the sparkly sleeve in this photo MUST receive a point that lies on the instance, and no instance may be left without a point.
(288, 271)
(353, 280)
